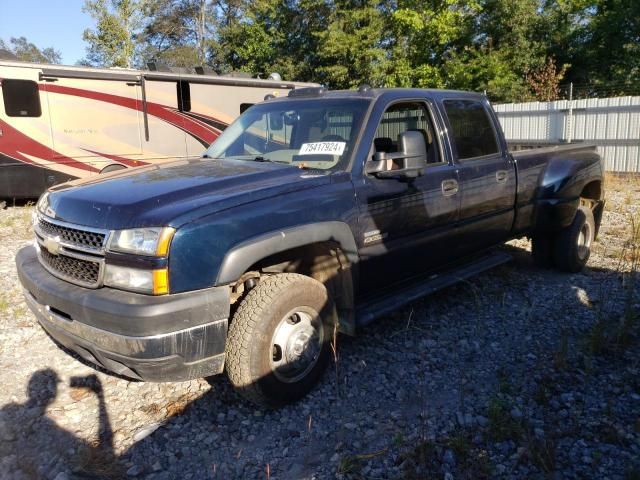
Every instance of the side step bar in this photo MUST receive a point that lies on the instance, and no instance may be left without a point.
(369, 311)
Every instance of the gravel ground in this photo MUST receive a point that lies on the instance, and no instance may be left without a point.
(518, 373)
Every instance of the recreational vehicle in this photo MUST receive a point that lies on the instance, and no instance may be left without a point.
(61, 122)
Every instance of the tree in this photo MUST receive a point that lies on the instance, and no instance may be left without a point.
(178, 32)
(112, 43)
(425, 36)
(350, 48)
(611, 51)
(544, 82)
(28, 52)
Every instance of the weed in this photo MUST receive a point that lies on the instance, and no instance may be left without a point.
(609, 434)
(560, 356)
(398, 440)
(94, 462)
(542, 452)
(632, 474)
(504, 385)
(7, 222)
(4, 305)
(543, 391)
(349, 464)
(424, 455)
(472, 462)
(502, 426)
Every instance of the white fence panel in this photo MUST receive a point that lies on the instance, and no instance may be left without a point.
(611, 123)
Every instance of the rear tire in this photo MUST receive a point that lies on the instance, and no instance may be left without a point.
(573, 245)
(278, 341)
(542, 250)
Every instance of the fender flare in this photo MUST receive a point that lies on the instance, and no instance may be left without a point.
(242, 256)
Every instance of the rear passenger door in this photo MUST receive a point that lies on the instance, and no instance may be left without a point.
(405, 224)
(486, 173)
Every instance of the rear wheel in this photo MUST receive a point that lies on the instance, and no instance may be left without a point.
(573, 245)
(278, 341)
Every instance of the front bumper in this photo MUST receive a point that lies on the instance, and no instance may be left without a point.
(163, 338)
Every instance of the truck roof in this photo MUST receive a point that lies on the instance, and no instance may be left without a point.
(376, 93)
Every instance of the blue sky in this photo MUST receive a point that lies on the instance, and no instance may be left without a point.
(47, 23)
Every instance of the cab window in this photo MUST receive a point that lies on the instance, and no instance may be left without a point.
(471, 129)
(404, 117)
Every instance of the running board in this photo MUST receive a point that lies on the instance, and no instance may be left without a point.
(369, 311)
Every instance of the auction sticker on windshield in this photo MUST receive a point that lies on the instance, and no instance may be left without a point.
(322, 148)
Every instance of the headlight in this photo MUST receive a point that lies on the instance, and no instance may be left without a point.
(142, 241)
(154, 282)
(43, 201)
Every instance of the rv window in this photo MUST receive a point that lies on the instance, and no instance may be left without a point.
(245, 106)
(21, 98)
(184, 96)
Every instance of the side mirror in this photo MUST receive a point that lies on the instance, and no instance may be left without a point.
(412, 158)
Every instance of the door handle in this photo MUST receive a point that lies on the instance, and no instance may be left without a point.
(501, 176)
(449, 187)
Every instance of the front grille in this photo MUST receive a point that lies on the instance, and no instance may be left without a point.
(75, 269)
(92, 240)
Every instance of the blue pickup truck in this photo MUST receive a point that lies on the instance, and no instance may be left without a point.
(311, 215)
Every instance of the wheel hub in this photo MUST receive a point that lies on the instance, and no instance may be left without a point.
(584, 241)
(296, 345)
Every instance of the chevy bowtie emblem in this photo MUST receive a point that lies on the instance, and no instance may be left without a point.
(52, 245)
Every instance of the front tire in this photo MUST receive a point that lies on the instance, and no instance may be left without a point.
(573, 245)
(278, 341)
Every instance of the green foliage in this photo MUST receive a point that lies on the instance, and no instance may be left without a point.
(177, 33)
(28, 52)
(515, 50)
(112, 43)
(350, 48)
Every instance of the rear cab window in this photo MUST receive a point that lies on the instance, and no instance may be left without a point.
(472, 130)
(21, 98)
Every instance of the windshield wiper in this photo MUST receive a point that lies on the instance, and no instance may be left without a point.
(260, 158)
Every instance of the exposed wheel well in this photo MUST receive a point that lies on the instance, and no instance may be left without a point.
(114, 167)
(322, 261)
(590, 196)
(592, 191)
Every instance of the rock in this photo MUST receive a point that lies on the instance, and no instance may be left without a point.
(482, 421)
(146, 431)
(135, 470)
(449, 458)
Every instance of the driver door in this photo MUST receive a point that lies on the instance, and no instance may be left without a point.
(405, 224)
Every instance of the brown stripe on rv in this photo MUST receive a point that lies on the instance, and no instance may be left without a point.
(16, 144)
(198, 129)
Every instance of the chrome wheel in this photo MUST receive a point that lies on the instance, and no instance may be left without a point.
(296, 344)
(584, 241)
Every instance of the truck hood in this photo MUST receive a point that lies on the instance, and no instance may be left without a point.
(173, 193)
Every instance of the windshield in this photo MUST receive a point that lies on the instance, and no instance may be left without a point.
(310, 133)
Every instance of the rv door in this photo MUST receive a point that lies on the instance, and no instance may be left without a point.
(96, 120)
